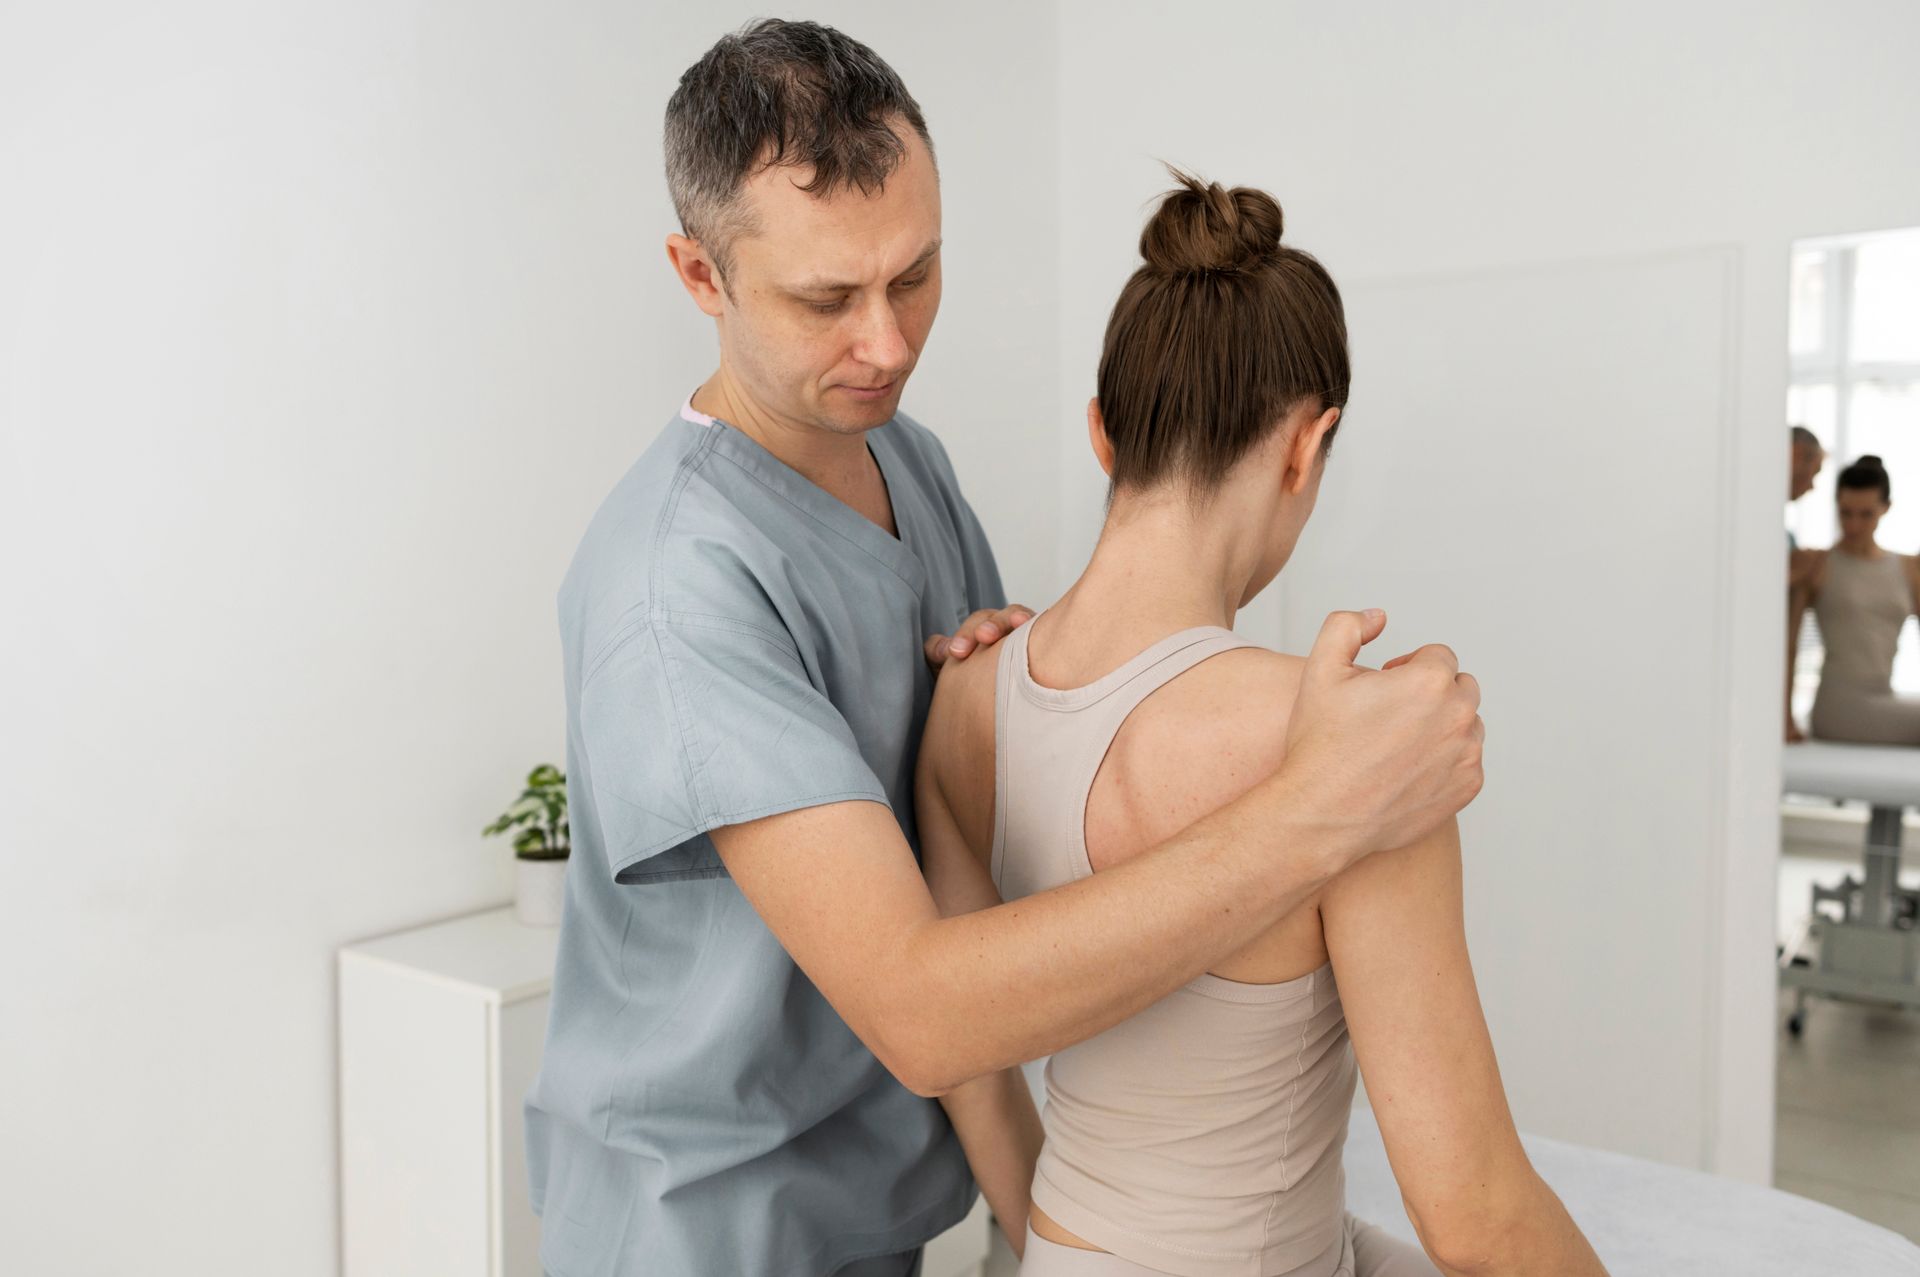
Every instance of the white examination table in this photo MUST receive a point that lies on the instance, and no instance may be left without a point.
(1649, 1220)
(1868, 948)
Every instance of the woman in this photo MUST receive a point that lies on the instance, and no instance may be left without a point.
(1863, 596)
(1202, 1137)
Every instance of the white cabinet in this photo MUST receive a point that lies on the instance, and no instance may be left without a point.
(440, 1036)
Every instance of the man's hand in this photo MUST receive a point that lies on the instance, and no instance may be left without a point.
(983, 629)
(1390, 753)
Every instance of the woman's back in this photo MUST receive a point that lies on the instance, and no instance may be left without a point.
(1203, 1135)
(1162, 1144)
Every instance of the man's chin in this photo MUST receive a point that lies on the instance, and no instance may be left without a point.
(850, 414)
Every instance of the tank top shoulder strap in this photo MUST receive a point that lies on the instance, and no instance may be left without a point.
(1049, 744)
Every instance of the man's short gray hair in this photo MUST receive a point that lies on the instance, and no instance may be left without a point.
(777, 92)
(1805, 438)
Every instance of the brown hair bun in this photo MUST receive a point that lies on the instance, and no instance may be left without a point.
(1203, 226)
(1216, 339)
(1867, 472)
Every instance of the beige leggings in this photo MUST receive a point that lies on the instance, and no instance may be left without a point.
(1362, 1250)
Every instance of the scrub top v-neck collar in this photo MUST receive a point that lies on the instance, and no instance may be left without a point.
(896, 554)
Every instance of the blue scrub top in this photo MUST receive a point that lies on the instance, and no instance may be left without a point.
(737, 643)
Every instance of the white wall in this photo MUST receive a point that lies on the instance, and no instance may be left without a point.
(323, 327)
(1411, 142)
(322, 331)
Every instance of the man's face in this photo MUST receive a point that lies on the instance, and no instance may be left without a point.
(830, 300)
(1807, 461)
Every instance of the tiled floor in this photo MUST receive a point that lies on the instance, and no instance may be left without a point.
(1848, 1092)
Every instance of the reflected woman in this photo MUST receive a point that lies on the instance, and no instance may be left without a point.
(1863, 595)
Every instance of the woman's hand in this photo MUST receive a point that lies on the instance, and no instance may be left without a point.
(983, 629)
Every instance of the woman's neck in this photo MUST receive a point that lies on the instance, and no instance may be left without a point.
(1157, 569)
(1859, 547)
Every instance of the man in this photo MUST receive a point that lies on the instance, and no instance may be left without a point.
(755, 995)
(1806, 459)
(1808, 456)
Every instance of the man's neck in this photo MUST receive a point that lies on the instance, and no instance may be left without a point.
(841, 465)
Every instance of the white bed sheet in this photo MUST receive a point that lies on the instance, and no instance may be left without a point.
(1649, 1220)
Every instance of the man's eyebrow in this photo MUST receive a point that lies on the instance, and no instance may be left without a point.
(820, 285)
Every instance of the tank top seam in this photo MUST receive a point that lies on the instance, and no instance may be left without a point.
(1146, 1238)
(1048, 698)
(1029, 686)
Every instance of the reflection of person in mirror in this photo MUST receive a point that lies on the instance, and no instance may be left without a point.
(1863, 595)
(1806, 457)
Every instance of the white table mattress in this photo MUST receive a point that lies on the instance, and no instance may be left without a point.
(1649, 1220)
(1887, 775)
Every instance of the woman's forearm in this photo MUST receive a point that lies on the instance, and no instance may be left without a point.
(1549, 1244)
(1793, 656)
(1529, 1234)
(999, 1128)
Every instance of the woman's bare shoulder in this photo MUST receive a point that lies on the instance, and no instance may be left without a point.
(957, 745)
(1193, 746)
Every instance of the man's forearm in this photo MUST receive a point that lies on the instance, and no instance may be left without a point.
(1018, 981)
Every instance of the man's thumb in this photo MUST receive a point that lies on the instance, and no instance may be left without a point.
(1342, 635)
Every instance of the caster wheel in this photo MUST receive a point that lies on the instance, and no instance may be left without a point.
(1797, 1023)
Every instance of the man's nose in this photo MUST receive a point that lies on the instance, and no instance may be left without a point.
(881, 343)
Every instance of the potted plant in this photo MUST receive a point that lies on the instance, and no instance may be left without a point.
(540, 848)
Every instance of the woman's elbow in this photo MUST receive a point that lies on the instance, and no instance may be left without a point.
(1483, 1231)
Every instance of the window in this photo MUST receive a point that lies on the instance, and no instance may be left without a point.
(1853, 341)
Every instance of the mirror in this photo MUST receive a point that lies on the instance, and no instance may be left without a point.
(1848, 1081)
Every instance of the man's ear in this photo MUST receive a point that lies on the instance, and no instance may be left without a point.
(698, 275)
(1097, 436)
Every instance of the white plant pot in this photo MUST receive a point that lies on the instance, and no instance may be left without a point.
(540, 886)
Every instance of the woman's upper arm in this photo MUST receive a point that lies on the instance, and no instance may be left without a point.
(1395, 934)
(955, 867)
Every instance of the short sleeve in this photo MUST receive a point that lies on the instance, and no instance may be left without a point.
(694, 723)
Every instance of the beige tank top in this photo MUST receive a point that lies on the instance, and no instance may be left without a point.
(1862, 606)
(1202, 1136)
